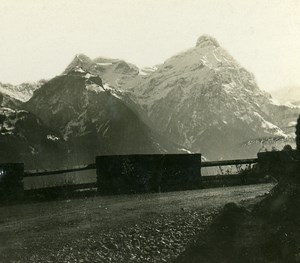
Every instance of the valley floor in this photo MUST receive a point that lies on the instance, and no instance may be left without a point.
(135, 228)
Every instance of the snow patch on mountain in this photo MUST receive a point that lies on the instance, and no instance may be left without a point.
(292, 123)
(105, 88)
(144, 71)
(79, 69)
(94, 87)
(52, 137)
(104, 63)
(87, 75)
(185, 150)
(271, 128)
(114, 91)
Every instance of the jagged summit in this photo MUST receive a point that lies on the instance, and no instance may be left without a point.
(82, 57)
(207, 40)
(110, 70)
(80, 62)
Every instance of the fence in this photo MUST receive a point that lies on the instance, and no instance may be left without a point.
(125, 174)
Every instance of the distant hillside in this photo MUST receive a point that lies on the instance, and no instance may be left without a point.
(288, 95)
(22, 92)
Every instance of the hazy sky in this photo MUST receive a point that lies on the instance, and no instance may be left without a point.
(40, 37)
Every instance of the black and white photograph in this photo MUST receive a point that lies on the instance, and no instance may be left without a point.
(155, 131)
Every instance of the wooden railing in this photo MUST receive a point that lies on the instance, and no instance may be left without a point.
(228, 162)
(31, 173)
(37, 173)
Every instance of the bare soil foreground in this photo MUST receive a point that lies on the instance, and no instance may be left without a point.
(135, 228)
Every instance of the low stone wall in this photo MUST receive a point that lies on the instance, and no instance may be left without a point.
(279, 164)
(118, 174)
(11, 181)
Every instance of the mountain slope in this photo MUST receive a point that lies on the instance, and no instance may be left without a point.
(204, 100)
(93, 117)
(22, 92)
(24, 138)
(7, 101)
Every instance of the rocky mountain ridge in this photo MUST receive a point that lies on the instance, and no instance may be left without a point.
(204, 100)
(94, 118)
(201, 99)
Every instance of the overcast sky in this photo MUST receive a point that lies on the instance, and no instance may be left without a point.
(40, 37)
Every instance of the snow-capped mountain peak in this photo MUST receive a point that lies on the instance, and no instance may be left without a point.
(201, 98)
(207, 40)
(203, 93)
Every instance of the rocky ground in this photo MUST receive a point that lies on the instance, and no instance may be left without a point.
(137, 228)
(267, 233)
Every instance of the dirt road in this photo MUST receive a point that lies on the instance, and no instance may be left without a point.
(135, 228)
